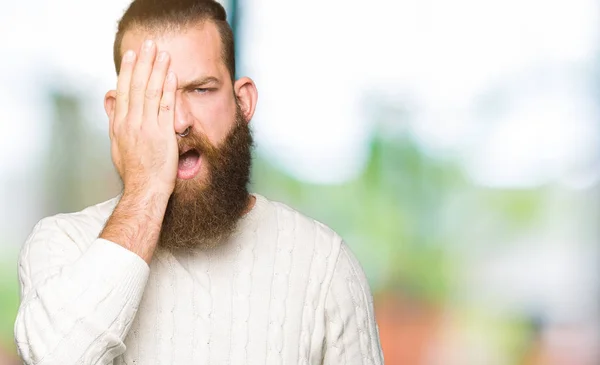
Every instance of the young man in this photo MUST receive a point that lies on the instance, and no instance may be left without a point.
(186, 266)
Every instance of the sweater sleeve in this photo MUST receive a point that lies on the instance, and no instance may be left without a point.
(352, 336)
(76, 306)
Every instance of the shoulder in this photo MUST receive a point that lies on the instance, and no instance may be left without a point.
(66, 231)
(304, 228)
(330, 261)
(88, 221)
(312, 242)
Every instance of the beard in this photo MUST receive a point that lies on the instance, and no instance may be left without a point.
(203, 213)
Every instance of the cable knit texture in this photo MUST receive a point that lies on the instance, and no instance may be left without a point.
(285, 289)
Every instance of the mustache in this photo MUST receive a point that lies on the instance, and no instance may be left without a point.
(198, 141)
(195, 141)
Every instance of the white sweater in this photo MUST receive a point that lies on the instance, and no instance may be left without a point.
(284, 290)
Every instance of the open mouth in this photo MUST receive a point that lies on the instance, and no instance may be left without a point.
(189, 164)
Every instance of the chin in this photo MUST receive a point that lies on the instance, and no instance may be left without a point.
(190, 189)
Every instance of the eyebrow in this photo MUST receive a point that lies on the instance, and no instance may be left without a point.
(199, 82)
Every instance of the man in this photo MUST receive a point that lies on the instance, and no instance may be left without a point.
(185, 266)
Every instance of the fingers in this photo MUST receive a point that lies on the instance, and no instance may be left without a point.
(166, 112)
(139, 82)
(141, 85)
(123, 85)
(155, 87)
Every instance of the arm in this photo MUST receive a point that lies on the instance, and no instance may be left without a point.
(77, 307)
(351, 334)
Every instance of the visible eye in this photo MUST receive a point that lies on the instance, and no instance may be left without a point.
(201, 90)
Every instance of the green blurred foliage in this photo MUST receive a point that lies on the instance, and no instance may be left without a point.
(407, 215)
(9, 295)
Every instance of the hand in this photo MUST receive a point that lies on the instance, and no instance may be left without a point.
(143, 143)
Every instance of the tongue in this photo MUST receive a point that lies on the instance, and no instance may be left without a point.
(188, 160)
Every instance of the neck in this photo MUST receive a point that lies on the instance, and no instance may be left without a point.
(250, 205)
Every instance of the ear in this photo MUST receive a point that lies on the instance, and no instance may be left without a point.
(110, 100)
(247, 95)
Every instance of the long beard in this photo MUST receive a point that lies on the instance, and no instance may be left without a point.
(202, 214)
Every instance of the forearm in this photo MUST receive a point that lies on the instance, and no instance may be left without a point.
(82, 311)
(136, 222)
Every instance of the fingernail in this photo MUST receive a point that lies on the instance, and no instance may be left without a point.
(162, 56)
(171, 76)
(128, 56)
(148, 45)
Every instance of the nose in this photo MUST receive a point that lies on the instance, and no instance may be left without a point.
(183, 117)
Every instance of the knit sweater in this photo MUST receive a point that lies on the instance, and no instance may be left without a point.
(284, 289)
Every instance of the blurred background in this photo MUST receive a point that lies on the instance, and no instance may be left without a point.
(453, 144)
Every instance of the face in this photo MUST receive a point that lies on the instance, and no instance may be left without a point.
(205, 99)
(210, 194)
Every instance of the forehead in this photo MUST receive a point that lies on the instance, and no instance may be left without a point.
(195, 51)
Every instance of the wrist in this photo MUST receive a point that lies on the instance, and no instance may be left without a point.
(136, 221)
(155, 194)
(150, 204)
